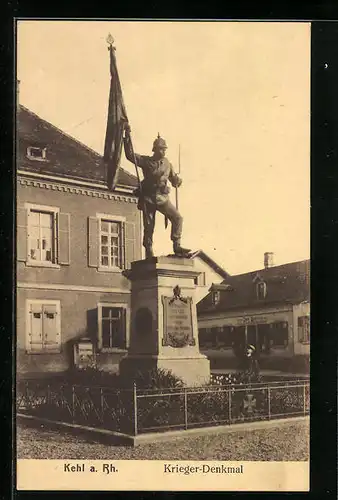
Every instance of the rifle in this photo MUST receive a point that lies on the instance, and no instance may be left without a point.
(179, 171)
(176, 188)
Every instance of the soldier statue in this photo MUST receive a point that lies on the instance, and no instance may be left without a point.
(153, 192)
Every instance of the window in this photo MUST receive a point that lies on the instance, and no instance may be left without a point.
(264, 337)
(43, 236)
(43, 326)
(206, 337)
(261, 290)
(200, 280)
(280, 334)
(202, 337)
(304, 329)
(111, 241)
(36, 153)
(224, 337)
(112, 326)
(239, 339)
(216, 297)
(110, 244)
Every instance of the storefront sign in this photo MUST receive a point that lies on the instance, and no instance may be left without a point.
(252, 320)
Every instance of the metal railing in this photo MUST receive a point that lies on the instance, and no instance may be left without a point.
(95, 406)
(136, 411)
(220, 405)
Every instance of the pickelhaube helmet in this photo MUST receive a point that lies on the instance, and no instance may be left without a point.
(159, 142)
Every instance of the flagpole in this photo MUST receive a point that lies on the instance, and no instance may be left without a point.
(179, 171)
(110, 41)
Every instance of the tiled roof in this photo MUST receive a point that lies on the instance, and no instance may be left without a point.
(66, 156)
(288, 283)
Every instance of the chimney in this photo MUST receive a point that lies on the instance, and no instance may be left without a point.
(268, 259)
(17, 93)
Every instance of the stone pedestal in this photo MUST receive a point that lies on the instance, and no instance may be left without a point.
(164, 332)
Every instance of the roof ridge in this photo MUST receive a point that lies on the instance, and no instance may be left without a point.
(211, 262)
(272, 267)
(61, 131)
(69, 136)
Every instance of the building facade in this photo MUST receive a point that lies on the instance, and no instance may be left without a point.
(210, 273)
(268, 308)
(74, 239)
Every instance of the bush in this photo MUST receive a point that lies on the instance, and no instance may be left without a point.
(157, 379)
(234, 378)
(90, 377)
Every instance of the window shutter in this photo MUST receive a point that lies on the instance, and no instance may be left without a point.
(51, 335)
(125, 340)
(64, 239)
(93, 242)
(34, 341)
(123, 245)
(201, 279)
(129, 243)
(22, 235)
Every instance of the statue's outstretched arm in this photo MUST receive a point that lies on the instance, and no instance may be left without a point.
(129, 152)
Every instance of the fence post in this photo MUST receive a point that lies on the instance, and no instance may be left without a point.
(304, 400)
(26, 394)
(229, 393)
(185, 409)
(73, 403)
(102, 404)
(135, 408)
(48, 395)
(269, 403)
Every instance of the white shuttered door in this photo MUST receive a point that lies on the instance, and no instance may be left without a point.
(35, 333)
(50, 334)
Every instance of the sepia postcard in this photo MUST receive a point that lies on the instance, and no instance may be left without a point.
(162, 247)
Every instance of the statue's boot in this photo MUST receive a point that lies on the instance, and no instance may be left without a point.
(181, 251)
(149, 252)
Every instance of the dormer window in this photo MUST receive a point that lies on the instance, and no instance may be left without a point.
(216, 297)
(36, 153)
(261, 290)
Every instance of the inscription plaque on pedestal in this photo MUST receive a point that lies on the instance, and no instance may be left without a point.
(178, 326)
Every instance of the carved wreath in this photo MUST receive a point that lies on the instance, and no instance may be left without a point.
(177, 296)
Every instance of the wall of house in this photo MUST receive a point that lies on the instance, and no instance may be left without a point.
(80, 207)
(78, 287)
(301, 348)
(78, 314)
(251, 317)
(210, 278)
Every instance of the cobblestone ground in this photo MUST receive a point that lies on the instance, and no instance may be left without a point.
(289, 441)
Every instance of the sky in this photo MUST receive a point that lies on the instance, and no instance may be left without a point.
(234, 95)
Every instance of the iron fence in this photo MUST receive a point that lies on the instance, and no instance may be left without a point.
(100, 407)
(220, 405)
(136, 411)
